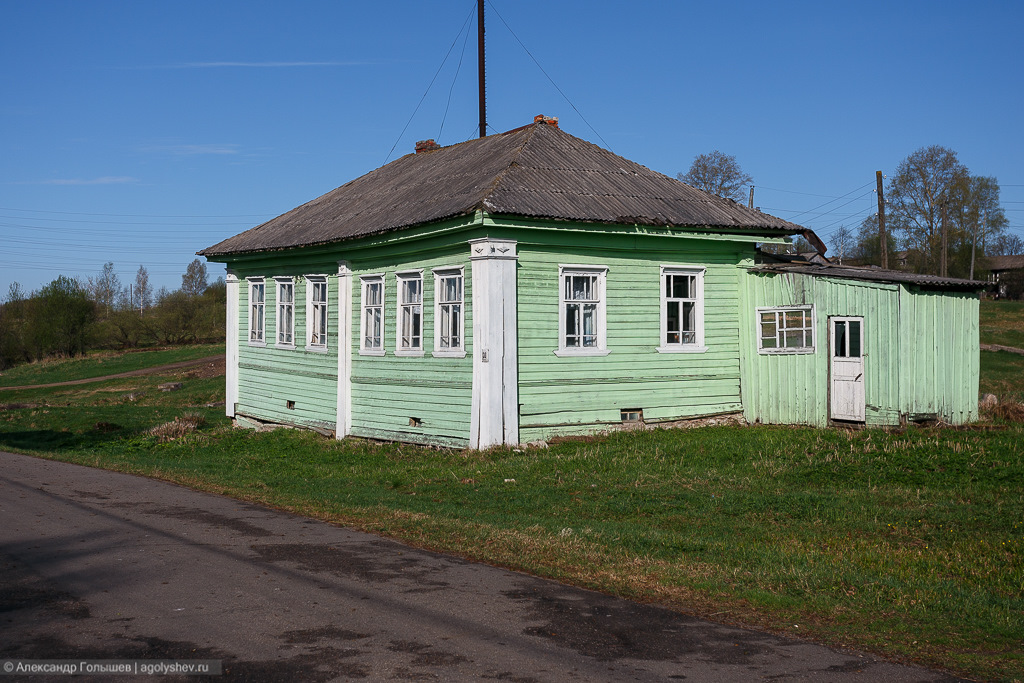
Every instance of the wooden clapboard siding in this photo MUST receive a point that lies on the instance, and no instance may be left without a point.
(566, 395)
(389, 390)
(270, 377)
(917, 359)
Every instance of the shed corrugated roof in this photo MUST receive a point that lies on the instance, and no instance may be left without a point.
(872, 275)
(537, 171)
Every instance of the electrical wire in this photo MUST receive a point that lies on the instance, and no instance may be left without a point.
(564, 96)
(455, 78)
(436, 73)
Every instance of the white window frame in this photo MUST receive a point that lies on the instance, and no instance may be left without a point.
(257, 335)
(365, 282)
(279, 307)
(458, 351)
(696, 346)
(779, 313)
(321, 344)
(601, 324)
(414, 308)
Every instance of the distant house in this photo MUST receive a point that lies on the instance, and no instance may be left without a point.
(1007, 275)
(530, 284)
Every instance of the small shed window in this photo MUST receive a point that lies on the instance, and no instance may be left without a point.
(372, 319)
(410, 314)
(448, 313)
(581, 311)
(286, 312)
(316, 312)
(786, 330)
(682, 310)
(257, 319)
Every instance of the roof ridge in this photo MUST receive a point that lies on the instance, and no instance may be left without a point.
(498, 177)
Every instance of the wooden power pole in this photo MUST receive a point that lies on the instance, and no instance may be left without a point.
(480, 60)
(750, 204)
(882, 239)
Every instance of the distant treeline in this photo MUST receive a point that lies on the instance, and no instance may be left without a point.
(68, 317)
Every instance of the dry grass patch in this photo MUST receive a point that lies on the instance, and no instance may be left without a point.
(180, 426)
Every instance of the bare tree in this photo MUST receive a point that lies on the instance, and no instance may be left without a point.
(718, 174)
(194, 281)
(843, 241)
(926, 181)
(143, 289)
(106, 288)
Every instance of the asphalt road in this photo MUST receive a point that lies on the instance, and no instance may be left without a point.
(100, 565)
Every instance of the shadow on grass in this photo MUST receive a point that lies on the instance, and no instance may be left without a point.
(102, 437)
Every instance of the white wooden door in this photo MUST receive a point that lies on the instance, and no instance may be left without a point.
(847, 368)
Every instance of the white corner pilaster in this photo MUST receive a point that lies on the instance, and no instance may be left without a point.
(231, 344)
(495, 409)
(344, 418)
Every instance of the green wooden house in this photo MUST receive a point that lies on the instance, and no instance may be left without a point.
(530, 284)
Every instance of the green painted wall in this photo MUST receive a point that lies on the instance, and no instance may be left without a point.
(269, 377)
(568, 395)
(921, 351)
(389, 390)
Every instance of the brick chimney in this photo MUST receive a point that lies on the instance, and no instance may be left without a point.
(427, 146)
(550, 120)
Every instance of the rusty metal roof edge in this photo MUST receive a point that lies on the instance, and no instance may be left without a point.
(870, 275)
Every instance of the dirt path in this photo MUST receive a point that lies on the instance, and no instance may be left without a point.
(998, 347)
(131, 373)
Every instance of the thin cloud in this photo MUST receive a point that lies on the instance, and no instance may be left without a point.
(105, 180)
(248, 65)
(192, 150)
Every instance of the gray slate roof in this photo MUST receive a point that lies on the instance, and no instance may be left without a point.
(537, 171)
(872, 275)
(1000, 263)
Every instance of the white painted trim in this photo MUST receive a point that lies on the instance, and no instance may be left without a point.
(363, 281)
(231, 350)
(343, 420)
(698, 345)
(495, 408)
(251, 283)
(601, 349)
(786, 351)
(280, 282)
(454, 351)
(401, 277)
(310, 281)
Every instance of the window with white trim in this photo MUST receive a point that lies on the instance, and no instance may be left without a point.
(449, 312)
(286, 312)
(788, 329)
(581, 311)
(371, 326)
(257, 319)
(682, 309)
(316, 312)
(410, 313)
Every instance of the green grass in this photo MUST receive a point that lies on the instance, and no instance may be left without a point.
(101, 363)
(1002, 322)
(1002, 374)
(909, 544)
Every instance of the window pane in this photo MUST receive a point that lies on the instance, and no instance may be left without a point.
(672, 323)
(794, 319)
(793, 339)
(855, 338)
(840, 339)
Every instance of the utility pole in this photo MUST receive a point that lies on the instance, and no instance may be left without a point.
(750, 204)
(480, 60)
(882, 239)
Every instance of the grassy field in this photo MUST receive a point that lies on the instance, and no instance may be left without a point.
(102, 363)
(906, 543)
(1002, 322)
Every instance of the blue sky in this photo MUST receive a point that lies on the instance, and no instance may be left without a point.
(141, 132)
